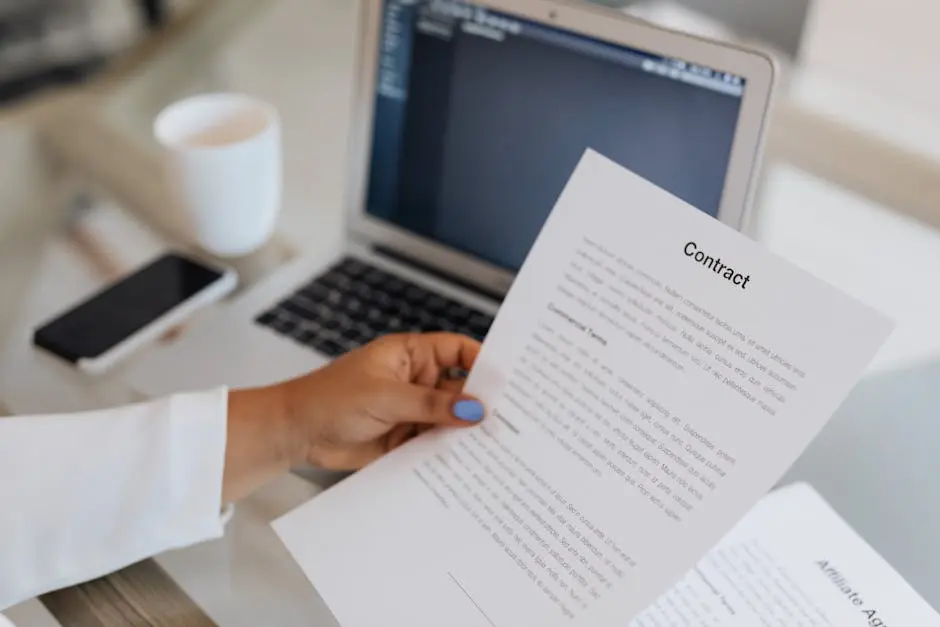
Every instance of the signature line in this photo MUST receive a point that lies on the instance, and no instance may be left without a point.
(467, 594)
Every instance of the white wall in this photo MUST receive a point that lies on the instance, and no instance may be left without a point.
(891, 46)
(777, 22)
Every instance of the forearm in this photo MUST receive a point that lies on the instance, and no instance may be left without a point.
(260, 441)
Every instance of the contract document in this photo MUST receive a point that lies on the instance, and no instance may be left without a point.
(650, 375)
(791, 561)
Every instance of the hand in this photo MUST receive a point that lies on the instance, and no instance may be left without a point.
(351, 412)
(374, 399)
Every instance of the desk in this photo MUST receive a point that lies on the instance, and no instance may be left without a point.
(874, 463)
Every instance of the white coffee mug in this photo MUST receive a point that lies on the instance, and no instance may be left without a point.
(223, 162)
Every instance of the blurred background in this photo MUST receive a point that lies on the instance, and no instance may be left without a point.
(850, 187)
(777, 24)
(44, 43)
(52, 41)
(857, 100)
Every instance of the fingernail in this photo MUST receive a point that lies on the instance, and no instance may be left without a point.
(469, 411)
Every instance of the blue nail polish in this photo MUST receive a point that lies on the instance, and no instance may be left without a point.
(469, 411)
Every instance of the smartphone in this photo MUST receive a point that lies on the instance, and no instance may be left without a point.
(108, 326)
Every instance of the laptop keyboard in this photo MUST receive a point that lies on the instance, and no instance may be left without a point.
(355, 302)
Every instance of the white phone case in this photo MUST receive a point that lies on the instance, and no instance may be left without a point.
(174, 317)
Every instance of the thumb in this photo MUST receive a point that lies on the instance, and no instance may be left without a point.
(418, 404)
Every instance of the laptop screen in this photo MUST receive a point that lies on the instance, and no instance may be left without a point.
(481, 118)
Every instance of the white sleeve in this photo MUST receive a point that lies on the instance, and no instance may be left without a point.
(86, 494)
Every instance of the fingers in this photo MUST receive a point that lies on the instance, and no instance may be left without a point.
(410, 403)
(432, 354)
(454, 386)
(400, 434)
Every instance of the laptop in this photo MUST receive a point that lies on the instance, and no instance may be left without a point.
(469, 119)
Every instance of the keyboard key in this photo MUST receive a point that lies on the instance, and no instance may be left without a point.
(329, 347)
(313, 327)
(481, 318)
(480, 324)
(380, 299)
(441, 324)
(394, 287)
(459, 314)
(335, 323)
(284, 325)
(415, 295)
(414, 319)
(465, 331)
(336, 279)
(353, 303)
(325, 311)
(304, 335)
(359, 316)
(314, 306)
(352, 335)
(347, 345)
(436, 304)
(402, 309)
(266, 318)
(375, 278)
(396, 307)
(373, 315)
(352, 267)
(295, 308)
(366, 334)
(362, 290)
(317, 292)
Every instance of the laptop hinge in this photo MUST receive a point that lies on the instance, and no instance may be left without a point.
(437, 273)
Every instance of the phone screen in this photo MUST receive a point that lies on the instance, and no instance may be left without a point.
(111, 316)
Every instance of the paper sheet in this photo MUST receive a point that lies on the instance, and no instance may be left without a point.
(791, 561)
(649, 376)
